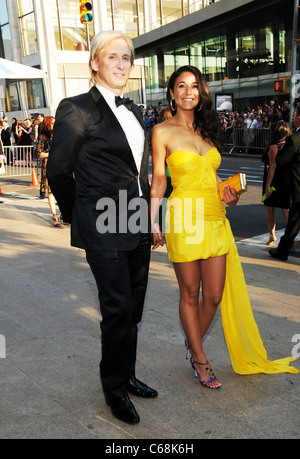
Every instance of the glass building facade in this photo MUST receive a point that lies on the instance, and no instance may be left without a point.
(136, 17)
(241, 49)
(27, 26)
(5, 35)
(243, 55)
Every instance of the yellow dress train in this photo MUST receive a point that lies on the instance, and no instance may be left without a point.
(197, 228)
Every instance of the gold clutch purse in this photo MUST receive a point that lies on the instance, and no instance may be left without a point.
(238, 182)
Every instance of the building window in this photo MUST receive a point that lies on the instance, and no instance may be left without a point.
(28, 27)
(126, 16)
(70, 34)
(12, 98)
(171, 10)
(72, 80)
(282, 50)
(5, 36)
(215, 58)
(35, 94)
(169, 67)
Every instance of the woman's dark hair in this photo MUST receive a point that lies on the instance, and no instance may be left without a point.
(206, 121)
(279, 131)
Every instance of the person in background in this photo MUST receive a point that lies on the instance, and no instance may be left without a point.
(289, 156)
(2, 156)
(25, 140)
(7, 142)
(276, 187)
(15, 129)
(42, 152)
(160, 107)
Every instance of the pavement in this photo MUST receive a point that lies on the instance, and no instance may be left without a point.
(50, 344)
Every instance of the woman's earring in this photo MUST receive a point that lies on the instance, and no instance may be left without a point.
(172, 106)
(200, 108)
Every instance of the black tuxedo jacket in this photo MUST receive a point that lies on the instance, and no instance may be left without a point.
(289, 156)
(90, 159)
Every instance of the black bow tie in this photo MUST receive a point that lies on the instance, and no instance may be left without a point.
(123, 101)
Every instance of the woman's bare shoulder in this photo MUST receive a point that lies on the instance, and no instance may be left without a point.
(162, 129)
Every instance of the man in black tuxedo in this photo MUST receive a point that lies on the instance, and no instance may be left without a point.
(289, 156)
(98, 172)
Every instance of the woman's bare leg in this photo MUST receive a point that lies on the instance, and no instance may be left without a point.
(188, 277)
(271, 222)
(52, 203)
(213, 273)
(196, 317)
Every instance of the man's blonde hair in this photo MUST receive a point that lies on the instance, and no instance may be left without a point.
(100, 43)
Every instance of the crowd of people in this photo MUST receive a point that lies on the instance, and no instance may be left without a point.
(21, 133)
(260, 117)
(263, 116)
(36, 133)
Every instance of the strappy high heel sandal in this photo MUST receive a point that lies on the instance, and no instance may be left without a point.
(188, 350)
(210, 373)
(272, 240)
(56, 221)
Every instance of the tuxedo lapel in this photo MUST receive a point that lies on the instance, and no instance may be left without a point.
(115, 130)
(145, 160)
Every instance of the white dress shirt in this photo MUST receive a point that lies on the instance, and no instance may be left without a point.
(130, 125)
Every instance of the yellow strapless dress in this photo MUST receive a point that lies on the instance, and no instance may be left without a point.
(197, 228)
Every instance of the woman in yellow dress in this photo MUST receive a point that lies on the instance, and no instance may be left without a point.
(198, 235)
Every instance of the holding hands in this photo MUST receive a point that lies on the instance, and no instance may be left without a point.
(157, 237)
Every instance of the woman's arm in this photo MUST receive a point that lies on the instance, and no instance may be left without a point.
(36, 133)
(159, 181)
(272, 153)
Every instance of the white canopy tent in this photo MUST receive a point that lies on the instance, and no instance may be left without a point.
(10, 70)
(13, 71)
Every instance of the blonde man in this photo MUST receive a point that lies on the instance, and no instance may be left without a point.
(98, 166)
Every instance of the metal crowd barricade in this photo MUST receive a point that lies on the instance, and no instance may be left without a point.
(20, 160)
(246, 140)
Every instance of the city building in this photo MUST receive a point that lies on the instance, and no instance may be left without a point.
(48, 35)
(241, 46)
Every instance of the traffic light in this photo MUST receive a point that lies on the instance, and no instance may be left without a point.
(86, 12)
(280, 86)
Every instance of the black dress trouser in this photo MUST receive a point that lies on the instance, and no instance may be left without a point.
(291, 230)
(121, 279)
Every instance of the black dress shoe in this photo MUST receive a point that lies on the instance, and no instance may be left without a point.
(123, 409)
(274, 254)
(138, 388)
